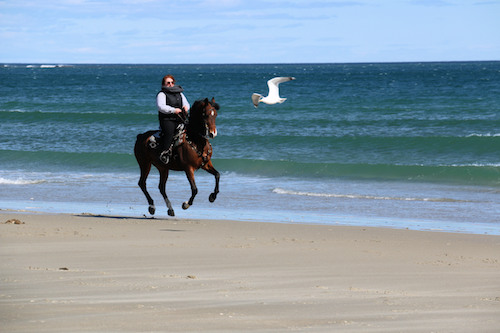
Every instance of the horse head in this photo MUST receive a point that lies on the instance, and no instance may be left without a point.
(210, 114)
(203, 114)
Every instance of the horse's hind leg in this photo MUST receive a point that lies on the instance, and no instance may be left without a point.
(145, 169)
(210, 169)
(161, 187)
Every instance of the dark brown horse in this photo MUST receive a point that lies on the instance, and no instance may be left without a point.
(192, 152)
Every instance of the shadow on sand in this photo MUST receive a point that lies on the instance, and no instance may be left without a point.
(115, 217)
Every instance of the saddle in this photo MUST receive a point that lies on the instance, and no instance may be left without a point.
(154, 140)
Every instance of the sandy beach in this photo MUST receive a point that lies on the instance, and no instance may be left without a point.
(86, 273)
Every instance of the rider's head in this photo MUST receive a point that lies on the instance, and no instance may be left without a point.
(168, 81)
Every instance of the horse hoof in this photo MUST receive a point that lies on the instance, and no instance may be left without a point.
(171, 212)
(185, 205)
(212, 197)
(152, 210)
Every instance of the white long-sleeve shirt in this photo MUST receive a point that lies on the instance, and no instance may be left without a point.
(161, 103)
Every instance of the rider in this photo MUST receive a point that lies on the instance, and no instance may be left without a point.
(172, 109)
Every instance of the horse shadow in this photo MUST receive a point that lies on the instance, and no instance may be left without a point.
(117, 217)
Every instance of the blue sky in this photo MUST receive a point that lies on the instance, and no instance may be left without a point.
(257, 31)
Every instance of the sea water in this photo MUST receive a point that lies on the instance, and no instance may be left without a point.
(401, 145)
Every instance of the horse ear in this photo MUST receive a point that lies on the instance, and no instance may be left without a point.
(206, 101)
(214, 103)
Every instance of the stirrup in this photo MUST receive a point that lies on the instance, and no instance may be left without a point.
(165, 156)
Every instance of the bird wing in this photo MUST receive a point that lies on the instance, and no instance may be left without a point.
(273, 85)
(255, 99)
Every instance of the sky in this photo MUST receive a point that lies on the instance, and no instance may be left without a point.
(248, 31)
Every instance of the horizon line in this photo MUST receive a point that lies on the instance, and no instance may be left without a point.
(48, 63)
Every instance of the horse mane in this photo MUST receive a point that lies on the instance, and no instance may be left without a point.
(199, 104)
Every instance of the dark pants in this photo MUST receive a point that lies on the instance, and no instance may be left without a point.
(168, 127)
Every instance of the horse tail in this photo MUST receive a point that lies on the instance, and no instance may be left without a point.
(140, 143)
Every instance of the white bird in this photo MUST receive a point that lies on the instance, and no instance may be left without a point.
(274, 94)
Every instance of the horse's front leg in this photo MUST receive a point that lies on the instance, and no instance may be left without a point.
(194, 189)
(161, 187)
(210, 169)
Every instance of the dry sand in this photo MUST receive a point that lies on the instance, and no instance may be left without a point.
(64, 273)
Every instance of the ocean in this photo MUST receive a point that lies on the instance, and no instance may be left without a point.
(397, 145)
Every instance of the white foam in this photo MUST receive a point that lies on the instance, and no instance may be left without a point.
(20, 181)
(483, 135)
(358, 196)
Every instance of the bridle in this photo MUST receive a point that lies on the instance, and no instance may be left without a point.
(207, 113)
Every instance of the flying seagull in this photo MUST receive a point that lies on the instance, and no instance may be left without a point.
(274, 93)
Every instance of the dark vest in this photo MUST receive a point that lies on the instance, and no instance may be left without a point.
(174, 99)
